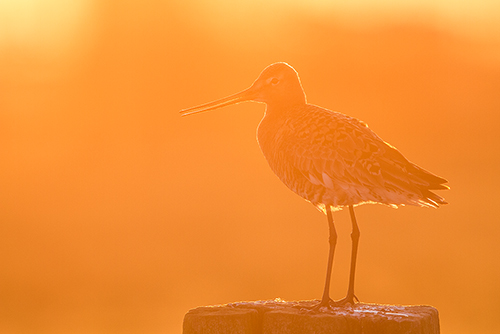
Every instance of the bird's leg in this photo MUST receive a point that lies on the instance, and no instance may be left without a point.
(350, 297)
(325, 301)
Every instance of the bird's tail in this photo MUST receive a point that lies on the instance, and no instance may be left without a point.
(427, 181)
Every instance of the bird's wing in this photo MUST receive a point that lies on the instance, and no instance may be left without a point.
(334, 149)
(338, 151)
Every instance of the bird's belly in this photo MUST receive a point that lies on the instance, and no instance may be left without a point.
(319, 194)
(334, 195)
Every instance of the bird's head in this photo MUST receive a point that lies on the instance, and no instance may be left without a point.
(278, 86)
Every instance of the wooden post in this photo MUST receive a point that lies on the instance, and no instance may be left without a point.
(278, 316)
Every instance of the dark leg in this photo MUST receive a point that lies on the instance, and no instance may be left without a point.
(325, 301)
(350, 297)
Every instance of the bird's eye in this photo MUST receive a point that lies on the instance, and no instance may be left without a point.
(274, 81)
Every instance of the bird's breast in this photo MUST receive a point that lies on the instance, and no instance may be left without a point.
(273, 134)
(279, 139)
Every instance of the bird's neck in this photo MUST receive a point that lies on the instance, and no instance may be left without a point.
(285, 109)
(275, 118)
(293, 98)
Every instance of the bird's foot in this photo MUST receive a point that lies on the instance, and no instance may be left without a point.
(349, 299)
(325, 303)
(330, 304)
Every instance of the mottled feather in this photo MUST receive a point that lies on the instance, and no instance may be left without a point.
(331, 159)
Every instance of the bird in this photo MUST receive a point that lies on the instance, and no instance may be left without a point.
(330, 159)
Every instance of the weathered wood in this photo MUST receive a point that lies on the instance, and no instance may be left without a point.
(221, 319)
(277, 316)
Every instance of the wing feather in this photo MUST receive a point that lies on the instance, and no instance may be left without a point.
(343, 154)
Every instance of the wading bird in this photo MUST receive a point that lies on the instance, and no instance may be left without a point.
(330, 159)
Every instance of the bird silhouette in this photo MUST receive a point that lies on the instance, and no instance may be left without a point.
(332, 160)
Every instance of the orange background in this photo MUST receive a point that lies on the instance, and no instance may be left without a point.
(118, 216)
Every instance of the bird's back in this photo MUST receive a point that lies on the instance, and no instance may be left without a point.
(331, 159)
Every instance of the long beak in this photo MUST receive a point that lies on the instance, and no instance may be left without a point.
(245, 95)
